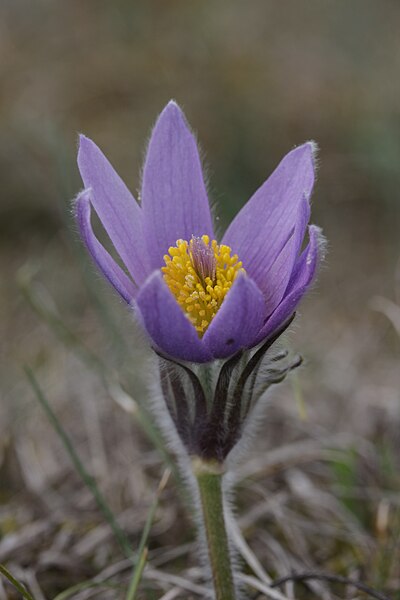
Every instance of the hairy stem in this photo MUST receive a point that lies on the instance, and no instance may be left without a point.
(209, 479)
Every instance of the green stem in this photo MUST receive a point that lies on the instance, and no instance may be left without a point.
(209, 478)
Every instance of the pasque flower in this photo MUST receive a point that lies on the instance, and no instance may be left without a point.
(199, 299)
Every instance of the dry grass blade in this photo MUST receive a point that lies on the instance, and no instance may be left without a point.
(84, 589)
(252, 561)
(293, 454)
(177, 581)
(171, 594)
(256, 584)
(245, 550)
(388, 308)
(332, 579)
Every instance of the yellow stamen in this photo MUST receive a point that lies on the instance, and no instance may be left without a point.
(200, 274)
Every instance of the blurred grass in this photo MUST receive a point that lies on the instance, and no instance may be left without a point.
(87, 479)
(254, 81)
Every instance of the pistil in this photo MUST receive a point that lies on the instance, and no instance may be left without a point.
(203, 259)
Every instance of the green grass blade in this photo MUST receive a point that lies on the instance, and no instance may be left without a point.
(143, 549)
(86, 585)
(137, 575)
(19, 586)
(299, 397)
(76, 461)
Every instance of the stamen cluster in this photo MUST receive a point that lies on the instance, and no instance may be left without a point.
(200, 274)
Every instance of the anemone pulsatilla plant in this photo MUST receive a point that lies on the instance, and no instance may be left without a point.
(211, 309)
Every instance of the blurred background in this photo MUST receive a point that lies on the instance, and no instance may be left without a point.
(321, 489)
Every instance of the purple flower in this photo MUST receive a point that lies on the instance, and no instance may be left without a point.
(198, 299)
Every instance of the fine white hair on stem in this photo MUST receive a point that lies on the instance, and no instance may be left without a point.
(167, 426)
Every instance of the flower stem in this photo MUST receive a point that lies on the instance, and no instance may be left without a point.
(209, 478)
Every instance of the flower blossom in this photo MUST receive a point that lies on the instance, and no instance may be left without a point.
(197, 298)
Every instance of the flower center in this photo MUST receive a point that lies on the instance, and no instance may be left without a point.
(200, 274)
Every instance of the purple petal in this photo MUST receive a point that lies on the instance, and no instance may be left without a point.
(117, 209)
(301, 280)
(167, 325)
(302, 219)
(174, 197)
(238, 321)
(277, 277)
(107, 265)
(261, 229)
